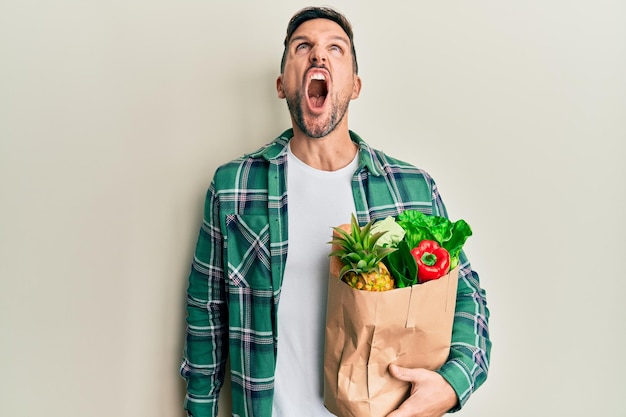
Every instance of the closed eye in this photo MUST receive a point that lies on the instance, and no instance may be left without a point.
(302, 47)
(336, 50)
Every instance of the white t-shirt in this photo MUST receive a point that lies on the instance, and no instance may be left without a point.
(317, 201)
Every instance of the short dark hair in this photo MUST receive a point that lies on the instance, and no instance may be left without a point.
(310, 13)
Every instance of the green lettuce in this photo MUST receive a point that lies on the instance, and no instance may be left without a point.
(450, 235)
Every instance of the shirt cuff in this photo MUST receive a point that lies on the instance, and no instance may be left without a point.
(459, 378)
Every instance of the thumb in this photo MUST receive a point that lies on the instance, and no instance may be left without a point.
(403, 374)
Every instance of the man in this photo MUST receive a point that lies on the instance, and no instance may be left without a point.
(258, 282)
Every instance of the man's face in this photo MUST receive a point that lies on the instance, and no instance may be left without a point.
(318, 80)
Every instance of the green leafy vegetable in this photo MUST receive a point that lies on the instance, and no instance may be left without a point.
(450, 235)
(402, 265)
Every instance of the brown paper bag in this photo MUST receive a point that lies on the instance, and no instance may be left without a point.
(367, 331)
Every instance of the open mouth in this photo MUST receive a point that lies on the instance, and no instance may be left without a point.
(317, 89)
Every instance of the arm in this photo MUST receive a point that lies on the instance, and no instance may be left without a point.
(468, 363)
(448, 389)
(206, 344)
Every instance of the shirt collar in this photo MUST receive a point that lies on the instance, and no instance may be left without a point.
(278, 148)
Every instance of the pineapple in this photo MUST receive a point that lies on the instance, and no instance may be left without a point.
(362, 258)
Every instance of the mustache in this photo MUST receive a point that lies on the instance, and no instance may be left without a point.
(317, 66)
(312, 67)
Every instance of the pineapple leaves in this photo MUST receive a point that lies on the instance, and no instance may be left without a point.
(358, 249)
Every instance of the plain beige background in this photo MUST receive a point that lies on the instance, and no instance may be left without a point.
(114, 115)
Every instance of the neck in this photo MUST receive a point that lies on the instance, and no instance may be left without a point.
(330, 153)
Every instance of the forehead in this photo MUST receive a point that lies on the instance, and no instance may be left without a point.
(320, 28)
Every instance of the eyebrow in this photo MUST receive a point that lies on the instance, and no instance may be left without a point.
(306, 38)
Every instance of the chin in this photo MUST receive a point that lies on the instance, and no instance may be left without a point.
(318, 132)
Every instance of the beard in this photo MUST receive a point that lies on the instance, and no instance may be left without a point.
(317, 128)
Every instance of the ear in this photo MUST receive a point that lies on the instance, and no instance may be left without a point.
(279, 87)
(356, 87)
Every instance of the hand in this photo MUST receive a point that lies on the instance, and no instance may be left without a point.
(431, 395)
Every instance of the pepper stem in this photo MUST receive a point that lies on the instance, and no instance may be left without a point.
(429, 259)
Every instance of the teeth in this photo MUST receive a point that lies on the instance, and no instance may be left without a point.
(318, 76)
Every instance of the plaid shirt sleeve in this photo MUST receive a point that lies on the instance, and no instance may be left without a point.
(468, 363)
(205, 353)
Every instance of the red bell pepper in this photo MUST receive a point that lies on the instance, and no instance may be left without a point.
(433, 261)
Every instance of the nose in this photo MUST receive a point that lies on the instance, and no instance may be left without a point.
(318, 55)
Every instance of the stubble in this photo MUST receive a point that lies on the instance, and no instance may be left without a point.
(317, 128)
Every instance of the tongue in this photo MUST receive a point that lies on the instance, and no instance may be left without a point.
(317, 93)
(317, 101)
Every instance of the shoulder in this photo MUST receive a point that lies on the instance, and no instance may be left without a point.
(253, 165)
(380, 163)
(390, 164)
(393, 185)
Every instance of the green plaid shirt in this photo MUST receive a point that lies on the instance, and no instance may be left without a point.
(237, 270)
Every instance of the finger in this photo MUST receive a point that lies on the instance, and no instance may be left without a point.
(404, 374)
(396, 371)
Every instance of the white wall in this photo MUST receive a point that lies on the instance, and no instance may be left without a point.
(113, 116)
